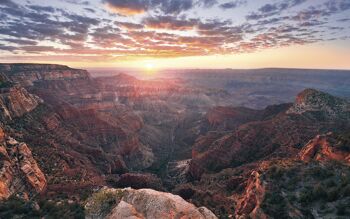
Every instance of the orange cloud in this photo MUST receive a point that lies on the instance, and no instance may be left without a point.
(126, 11)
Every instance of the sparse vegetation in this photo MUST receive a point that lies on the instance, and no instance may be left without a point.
(17, 208)
(276, 172)
(303, 186)
(274, 204)
(6, 84)
(344, 142)
(103, 201)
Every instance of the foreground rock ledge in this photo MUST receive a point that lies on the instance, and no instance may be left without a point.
(143, 203)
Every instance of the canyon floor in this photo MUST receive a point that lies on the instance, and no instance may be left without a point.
(267, 143)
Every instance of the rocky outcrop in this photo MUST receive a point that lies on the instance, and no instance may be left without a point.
(325, 147)
(249, 204)
(311, 100)
(16, 101)
(28, 166)
(19, 173)
(143, 203)
(27, 74)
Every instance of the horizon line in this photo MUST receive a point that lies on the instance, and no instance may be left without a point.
(164, 69)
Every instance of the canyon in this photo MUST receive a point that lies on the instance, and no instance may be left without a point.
(70, 140)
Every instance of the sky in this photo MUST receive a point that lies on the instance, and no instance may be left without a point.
(177, 33)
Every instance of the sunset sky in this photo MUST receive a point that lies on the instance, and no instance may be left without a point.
(177, 33)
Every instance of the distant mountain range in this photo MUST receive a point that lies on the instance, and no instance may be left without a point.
(256, 88)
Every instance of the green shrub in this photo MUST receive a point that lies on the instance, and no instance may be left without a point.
(16, 207)
(292, 172)
(6, 84)
(330, 183)
(103, 201)
(292, 183)
(332, 195)
(276, 172)
(275, 205)
(346, 191)
(306, 196)
(320, 173)
(64, 210)
(341, 209)
(319, 192)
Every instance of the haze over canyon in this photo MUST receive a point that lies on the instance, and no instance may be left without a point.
(219, 139)
(169, 109)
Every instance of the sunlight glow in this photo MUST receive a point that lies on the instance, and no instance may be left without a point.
(150, 67)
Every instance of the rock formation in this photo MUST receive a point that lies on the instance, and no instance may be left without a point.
(256, 139)
(27, 74)
(249, 203)
(143, 203)
(82, 133)
(311, 100)
(19, 173)
(323, 148)
(16, 101)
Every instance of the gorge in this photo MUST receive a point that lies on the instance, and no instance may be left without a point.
(74, 144)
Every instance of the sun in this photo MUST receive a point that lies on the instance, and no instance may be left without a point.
(150, 67)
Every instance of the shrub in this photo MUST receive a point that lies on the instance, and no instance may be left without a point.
(344, 142)
(292, 172)
(293, 182)
(276, 172)
(320, 173)
(275, 205)
(103, 201)
(306, 196)
(341, 209)
(64, 210)
(6, 84)
(330, 183)
(332, 195)
(346, 191)
(17, 208)
(319, 192)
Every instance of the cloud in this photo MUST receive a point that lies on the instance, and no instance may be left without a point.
(170, 28)
(344, 20)
(233, 4)
(129, 25)
(30, 27)
(90, 10)
(132, 7)
(271, 9)
(207, 3)
(7, 48)
(8, 3)
(77, 2)
(176, 6)
(327, 9)
(128, 7)
(36, 49)
(40, 9)
(170, 22)
(21, 42)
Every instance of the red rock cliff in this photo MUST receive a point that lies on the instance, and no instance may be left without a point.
(19, 171)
